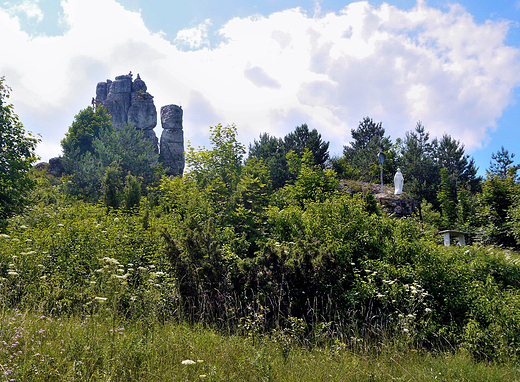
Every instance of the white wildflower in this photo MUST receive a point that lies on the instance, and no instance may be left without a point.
(188, 362)
(4, 235)
(100, 299)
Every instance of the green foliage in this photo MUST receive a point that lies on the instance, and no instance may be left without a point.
(221, 166)
(87, 126)
(301, 139)
(301, 267)
(312, 183)
(112, 185)
(344, 169)
(273, 151)
(446, 197)
(127, 147)
(418, 165)
(362, 152)
(132, 192)
(16, 158)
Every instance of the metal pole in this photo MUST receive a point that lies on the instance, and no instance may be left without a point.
(382, 191)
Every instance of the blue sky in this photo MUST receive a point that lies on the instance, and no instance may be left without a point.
(271, 65)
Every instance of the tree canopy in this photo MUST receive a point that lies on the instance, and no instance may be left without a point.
(17, 155)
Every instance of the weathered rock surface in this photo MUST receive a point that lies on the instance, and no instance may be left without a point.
(56, 167)
(172, 140)
(128, 101)
(142, 111)
(171, 117)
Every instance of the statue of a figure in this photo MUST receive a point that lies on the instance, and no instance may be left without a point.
(398, 182)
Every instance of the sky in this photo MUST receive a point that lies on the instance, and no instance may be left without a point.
(271, 65)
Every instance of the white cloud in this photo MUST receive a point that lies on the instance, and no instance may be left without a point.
(194, 38)
(29, 8)
(272, 73)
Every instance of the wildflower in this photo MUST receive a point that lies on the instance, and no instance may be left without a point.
(23, 227)
(405, 330)
(4, 235)
(100, 299)
(116, 219)
(427, 310)
(12, 273)
(188, 362)
(61, 225)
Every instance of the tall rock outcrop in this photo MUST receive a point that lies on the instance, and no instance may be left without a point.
(172, 140)
(128, 101)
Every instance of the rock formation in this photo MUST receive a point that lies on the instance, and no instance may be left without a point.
(128, 101)
(172, 140)
(56, 167)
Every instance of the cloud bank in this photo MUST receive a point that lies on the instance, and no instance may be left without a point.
(269, 74)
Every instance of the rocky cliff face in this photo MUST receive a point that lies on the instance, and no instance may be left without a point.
(172, 140)
(128, 101)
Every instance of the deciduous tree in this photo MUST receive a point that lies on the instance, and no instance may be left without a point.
(17, 154)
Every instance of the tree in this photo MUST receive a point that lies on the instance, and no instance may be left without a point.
(498, 206)
(87, 126)
(92, 145)
(502, 165)
(447, 196)
(362, 152)
(219, 168)
(272, 151)
(17, 154)
(133, 152)
(112, 185)
(132, 192)
(418, 165)
(460, 168)
(302, 139)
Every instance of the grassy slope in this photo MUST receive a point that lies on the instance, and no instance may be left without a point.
(38, 348)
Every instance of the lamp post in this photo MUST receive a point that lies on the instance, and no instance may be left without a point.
(381, 156)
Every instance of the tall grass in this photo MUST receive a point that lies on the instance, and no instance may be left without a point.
(39, 348)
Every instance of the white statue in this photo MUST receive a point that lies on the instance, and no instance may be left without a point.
(398, 182)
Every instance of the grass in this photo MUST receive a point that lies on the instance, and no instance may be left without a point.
(39, 348)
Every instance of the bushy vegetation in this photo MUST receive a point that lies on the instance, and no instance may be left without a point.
(275, 272)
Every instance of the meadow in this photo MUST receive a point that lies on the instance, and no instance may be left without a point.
(331, 290)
